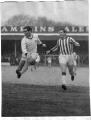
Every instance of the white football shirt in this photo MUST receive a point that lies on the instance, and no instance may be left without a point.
(29, 45)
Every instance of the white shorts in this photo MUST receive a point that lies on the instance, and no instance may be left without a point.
(67, 59)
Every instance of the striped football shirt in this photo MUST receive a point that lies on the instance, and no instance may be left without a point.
(65, 45)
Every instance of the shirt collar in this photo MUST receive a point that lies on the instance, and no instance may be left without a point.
(30, 37)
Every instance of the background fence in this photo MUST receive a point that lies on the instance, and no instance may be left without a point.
(82, 61)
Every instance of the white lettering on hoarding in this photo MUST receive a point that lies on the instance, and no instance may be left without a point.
(4, 29)
(50, 29)
(42, 29)
(36, 29)
(13, 29)
(21, 29)
(74, 29)
(67, 29)
(81, 29)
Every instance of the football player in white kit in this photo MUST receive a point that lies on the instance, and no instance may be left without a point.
(29, 50)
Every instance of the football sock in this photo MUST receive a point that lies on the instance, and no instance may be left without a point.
(63, 78)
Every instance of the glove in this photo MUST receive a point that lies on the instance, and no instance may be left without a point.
(44, 45)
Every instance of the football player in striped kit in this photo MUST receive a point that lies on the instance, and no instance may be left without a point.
(29, 50)
(66, 55)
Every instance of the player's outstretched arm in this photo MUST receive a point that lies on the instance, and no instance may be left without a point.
(40, 42)
(47, 52)
(44, 45)
(74, 42)
(52, 50)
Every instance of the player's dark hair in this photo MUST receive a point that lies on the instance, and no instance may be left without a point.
(29, 28)
(63, 30)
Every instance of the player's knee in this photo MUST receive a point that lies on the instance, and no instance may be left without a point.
(21, 64)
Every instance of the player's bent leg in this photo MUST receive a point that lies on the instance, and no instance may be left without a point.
(72, 71)
(63, 80)
(63, 62)
(21, 64)
(20, 67)
(63, 69)
(72, 67)
(25, 68)
(75, 67)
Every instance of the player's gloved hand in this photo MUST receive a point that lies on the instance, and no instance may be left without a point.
(44, 45)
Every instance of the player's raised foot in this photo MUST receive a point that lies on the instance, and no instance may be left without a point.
(18, 73)
(72, 77)
(64, 87)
